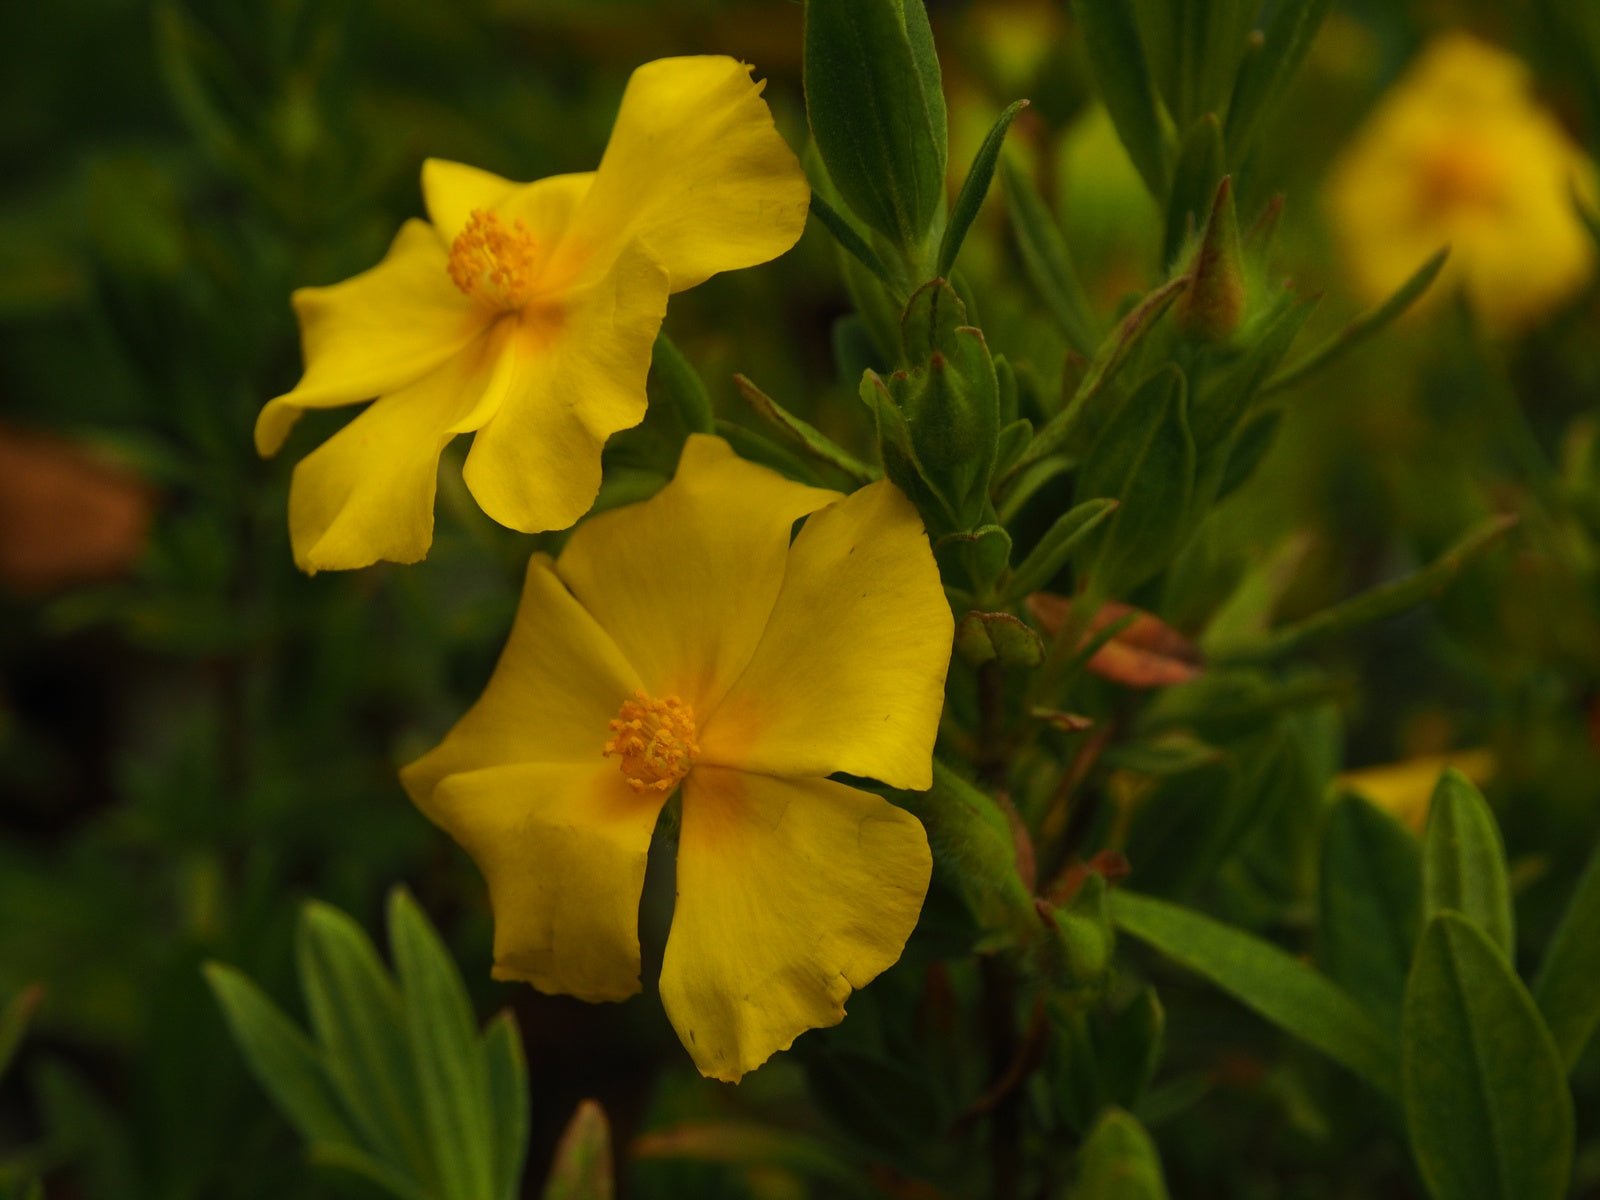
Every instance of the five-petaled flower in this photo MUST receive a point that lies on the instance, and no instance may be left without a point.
(685, 643)
(1460, 153)
(525, 314)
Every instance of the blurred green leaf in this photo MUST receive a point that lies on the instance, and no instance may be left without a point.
(1370, 887)
(582, 1168)
(1278, 986)
(1194, 183)
(1122, 74)
(802, 435)
(507, 1074)
(282, 1058)
(1047, 261)
(1385, 600)
(14, 1020)
(1119, 1161)
(680, 385)
(1485, 1090)
(443, 1042)
(1363, 327)
(1565, 986)
(1056, 546)
(742, 1144)
(850, 238)
(1464, 862)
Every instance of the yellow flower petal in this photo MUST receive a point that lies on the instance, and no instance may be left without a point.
(685, 581)
(849, 675)
(1404, 790)
(375, 332)
(697, 170)
(563, 850)
(791, 892)
(559, 681)
(366, 494)
(451, 190)
(580, 377)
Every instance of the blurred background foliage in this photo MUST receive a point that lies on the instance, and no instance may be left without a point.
(195, 738)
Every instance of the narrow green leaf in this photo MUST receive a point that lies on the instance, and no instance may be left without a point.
(1363, 327)
(1385, 600)
(359, 1021)
(1271, 65)
(582, 1169)
(374, 1170)
(1119, 1162)
(973, 190)
(1057, 545)
(14, 1022)
(443, 1039)
(1273, 983)
(1464, 862)
(281, 1057)
(507, 1068)
(1485, 1090)
(1119, 344)
(1371, 901)
(1194, 183)
(849, 238)
(801, 434)
(1047, 261)
(1123, 76)
(1566, 984)
(740, 1143)
(758, 447)
(682, 385)
(1145, 456)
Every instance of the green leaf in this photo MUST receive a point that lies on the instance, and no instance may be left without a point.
(443, 1039)
(1371, 901)
(1485, 1090)
(1275, 984)
(1123, 76)
(680, 384)
(1047, 261)
(1145, 457)
(1114, 351)
(281, 1057)
(507, 1070)
(849, 238)
(582, 1169)
(1267, 71)
(802, 435)
(739, 1143)
(973, 190)
(986, 636)
(877, 113)
(1363, 327)
(359, 1020)
(376, 1171)
(1194, 183)
(14, 1022)
(1565, 986)
(1057, 545)
(1119, 1162)
(1385, 600)
(1464, 862)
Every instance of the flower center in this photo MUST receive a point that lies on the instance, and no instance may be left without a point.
(655, 739)
(492, 261)
(1461, 178)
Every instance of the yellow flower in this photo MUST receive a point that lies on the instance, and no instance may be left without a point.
(686, 643)
(525, 314)
(1458, 152)
(1404, 790)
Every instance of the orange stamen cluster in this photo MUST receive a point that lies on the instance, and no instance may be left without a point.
(655, 739)
(493, 261)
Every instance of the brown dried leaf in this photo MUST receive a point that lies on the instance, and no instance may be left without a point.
(1146, 653)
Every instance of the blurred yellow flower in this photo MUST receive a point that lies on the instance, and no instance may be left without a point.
(1459, 152)
(525, 314)
(685, 643)
(1404, 790)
